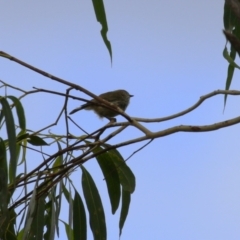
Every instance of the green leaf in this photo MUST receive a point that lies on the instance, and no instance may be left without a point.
(54, 220)
(66, 193)
(231, 67)
(126, 176)
(229, 18)
(94, 205)
(22, 136)
(48, 216)
(20, 234)
(5, 222)
(79, 218)
(11, 137)
(68, 231)
(20, 112)
(229, 58)
(8, 226)
(111, 177)
(4, 214)
(59, 160)
(3, 193)
(37, 227)
(30, 214)
(21, 144)
(36, 141)
(98, 6)
(70, 210)
(3, 157)
(126, 199)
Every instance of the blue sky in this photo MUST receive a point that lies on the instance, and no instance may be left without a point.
(167, 54)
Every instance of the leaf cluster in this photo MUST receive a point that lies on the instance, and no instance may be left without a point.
(31, 201)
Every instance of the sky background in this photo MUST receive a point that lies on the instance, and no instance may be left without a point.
(167, 54)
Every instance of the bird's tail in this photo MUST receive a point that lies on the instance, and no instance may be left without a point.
(79, 108)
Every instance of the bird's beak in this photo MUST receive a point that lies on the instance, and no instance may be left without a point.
(131, 95)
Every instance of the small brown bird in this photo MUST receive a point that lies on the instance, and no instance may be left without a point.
(120, 98)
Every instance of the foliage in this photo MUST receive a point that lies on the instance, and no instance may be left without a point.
(42, 205)
(231, 20)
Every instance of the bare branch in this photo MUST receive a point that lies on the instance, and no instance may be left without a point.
(197, 104)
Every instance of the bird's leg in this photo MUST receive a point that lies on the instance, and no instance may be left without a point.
(111, 120)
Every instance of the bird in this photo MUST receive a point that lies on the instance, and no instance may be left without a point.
(120, 98)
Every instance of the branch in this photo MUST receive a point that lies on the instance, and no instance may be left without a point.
(72, 85)
(198, 103)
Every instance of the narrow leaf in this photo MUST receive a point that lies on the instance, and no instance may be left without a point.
(229, 58)
(3, 157)
(54, 222)
(126, 199)
(70, 209)
(11, 137)
(111, 177)
(48, 217)
(229, 18)
(234, 6)
(68, 231)
(79, 218)
(30, 215)
(99, 9)
(11, 235)
(3, 193)
(231, 67)
(4, 214)
(37, 227)
(20, 112)
(126, 176)
(94, 205)
(7, 229)
(66, 193)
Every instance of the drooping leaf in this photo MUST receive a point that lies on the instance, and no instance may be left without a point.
(232, 26)
(126, 199)
(232, 8)
(20, 234)
(37, 227)
(69, 231)
(48, 217)
(70, 209)
(229, 18)
(20, 112)
(4, 214)
(7, 113)
(231, 67)
(9, 223)
(30, 215)
(53, 219)
(126, 176)
(79, 218)
(230, 58)
(22, 143)
(94, 205)
(3, 156)
(66, 193)
(110, 176)
(3, 193)
(99, 9)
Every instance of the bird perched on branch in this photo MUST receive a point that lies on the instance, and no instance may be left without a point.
(120, 98)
